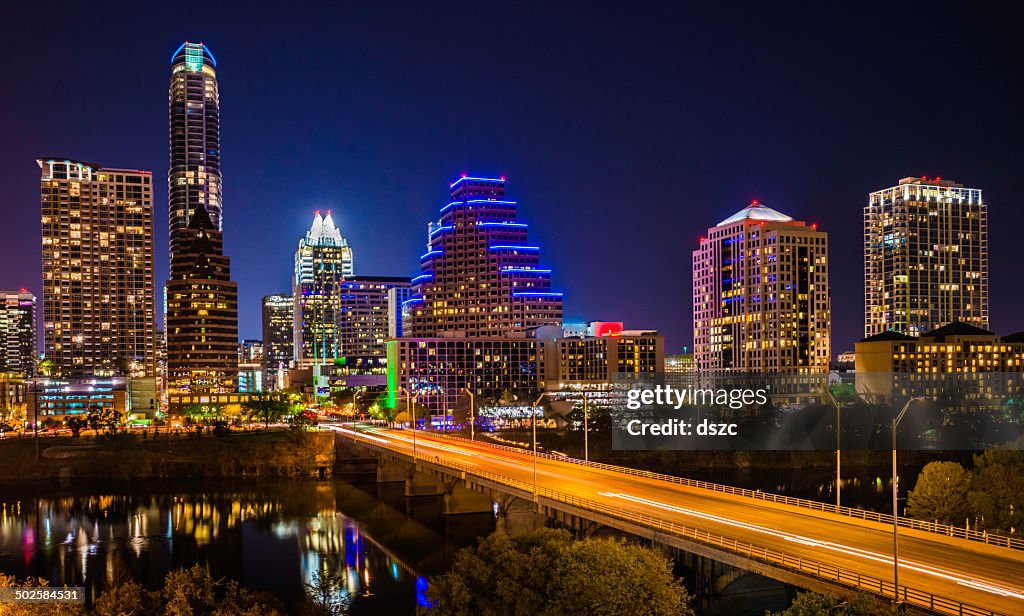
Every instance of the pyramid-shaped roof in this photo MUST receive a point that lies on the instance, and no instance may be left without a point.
(756, 211)
(200, 219)
(323, 232)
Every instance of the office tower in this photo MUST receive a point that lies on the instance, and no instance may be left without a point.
(278, 339)
(925, 257)
(98, 288)
(17, 332)
(761, 295)
(194, 178)
(363, 321)
(397, 297)
(605, 354)
(322, 261)
(202, 313)
(480, 276)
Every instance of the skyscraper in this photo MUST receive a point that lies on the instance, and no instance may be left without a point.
(98, 287)
(480, 276)
(322, 261)
(278, 339)
(925, 257)
(202, 313)
(193, 178)
(17, 332)
(363, 321)
(761, 295)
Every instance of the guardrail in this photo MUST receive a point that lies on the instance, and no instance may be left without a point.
(784, 560)
(959, 532)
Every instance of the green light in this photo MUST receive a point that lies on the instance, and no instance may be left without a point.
(392, 355)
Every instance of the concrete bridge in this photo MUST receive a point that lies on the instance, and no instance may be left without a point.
(719, 535)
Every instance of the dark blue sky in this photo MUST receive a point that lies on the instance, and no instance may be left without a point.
(625, 130)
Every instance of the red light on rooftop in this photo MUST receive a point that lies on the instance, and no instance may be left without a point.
(24, 290)
(702, 238)
(502, 178)
(318, 212)
(754, 202)
(465, 175)
(938, 179)
(814, 225)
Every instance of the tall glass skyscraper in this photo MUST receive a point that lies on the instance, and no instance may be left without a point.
(925, 257)
(480, 276)
(322, 261)
(193, 178)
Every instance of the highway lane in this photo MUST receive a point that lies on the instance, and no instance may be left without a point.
(982, 575)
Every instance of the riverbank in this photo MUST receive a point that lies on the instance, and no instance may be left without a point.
(143, 456)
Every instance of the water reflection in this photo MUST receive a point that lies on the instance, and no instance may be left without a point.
(277, 537)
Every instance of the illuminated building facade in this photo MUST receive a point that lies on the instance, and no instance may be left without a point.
(437, 369)
(322, 262)
(983, 364)
(761, 295)
(59, 398)
(397, 308)
(98, 288)
(17, 332)
(193, 179)
(363, 320)
(202, 313)
(925, 257)
(278, 340)
(480, 277)
(603, 359)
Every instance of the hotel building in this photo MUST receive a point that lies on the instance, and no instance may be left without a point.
(98, 288)
(761, 295)
(202, 313)
(925, 257)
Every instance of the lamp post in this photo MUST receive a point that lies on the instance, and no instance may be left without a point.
(586, 431)
(895, 513)
(533, 423)
(355, 399)
(839, 459)
(472, 413)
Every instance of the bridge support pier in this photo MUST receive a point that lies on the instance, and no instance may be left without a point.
(515, 515)
(459, 499)
(422, 484)
(388, 472)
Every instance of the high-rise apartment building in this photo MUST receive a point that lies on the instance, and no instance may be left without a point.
(761, 295)
(397, 308)
(480, 276)
(194, 116)
(202, 313)
(925, 257)
(17, 332)
(322, 261)
(278, 340)
(98, 288)
(363, 320)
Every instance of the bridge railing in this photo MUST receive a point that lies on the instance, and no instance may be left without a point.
(845, 577)
(959, 532)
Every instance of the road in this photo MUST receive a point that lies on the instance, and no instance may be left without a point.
(975, 573)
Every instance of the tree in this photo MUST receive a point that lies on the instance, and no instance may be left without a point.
(127, 598)
(545, 572)
(76, 424)
(940, 493)
(104, 418)
(325, 596)
(266, 407)
(997, 492)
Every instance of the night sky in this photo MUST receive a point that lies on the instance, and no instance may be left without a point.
(624, 131)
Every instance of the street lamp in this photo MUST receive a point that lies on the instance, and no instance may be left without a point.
(586, 432)
(533, 423)
(895, 521)
(839, 461)
(472, 412)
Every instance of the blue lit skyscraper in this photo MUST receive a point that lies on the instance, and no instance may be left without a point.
(480, 277)
(194, 124)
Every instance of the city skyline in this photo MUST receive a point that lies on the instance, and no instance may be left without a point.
(573, 204)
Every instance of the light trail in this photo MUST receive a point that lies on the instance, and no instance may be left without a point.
(828, 545)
